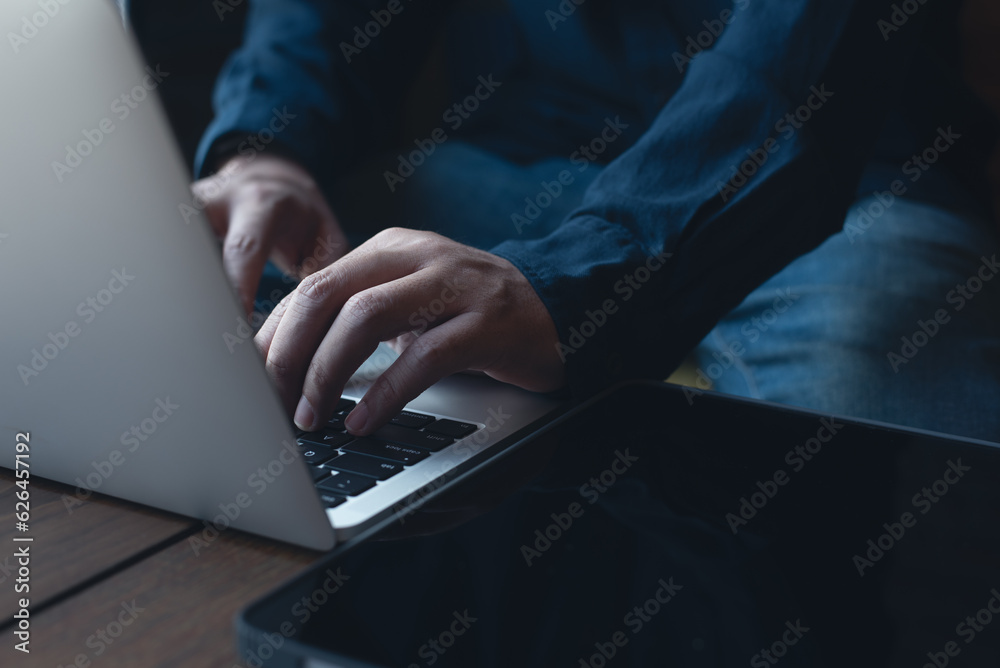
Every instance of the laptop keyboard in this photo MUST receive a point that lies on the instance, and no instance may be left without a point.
(343, 465)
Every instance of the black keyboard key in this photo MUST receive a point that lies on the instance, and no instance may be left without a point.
(331, 500)
(350, 484)
(420, 439)
(336, 423)
(452, 428)
(317, 454)
(404, 454)
(330, 438)
(380, 469)
(345, 406)
(318, 473)
(411, 420)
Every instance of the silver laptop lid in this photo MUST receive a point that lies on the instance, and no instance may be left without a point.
(122, 353)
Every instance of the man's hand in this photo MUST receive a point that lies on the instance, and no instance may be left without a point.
(448, 307)
(264, 205)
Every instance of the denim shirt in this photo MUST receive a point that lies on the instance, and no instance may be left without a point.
(752, 127)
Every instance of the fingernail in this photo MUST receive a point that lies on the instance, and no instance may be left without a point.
(358, 418)
(304, 415)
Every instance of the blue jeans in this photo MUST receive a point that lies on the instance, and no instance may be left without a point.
(868, 325)
(871, 325)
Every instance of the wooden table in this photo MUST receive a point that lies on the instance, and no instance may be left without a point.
(115, 584)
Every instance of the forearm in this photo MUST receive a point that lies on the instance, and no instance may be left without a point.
(725, 182)
(301, 83)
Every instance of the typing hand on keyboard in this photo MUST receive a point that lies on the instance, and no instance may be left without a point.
(344, 465)
(449, 307)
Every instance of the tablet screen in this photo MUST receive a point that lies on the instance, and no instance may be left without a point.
(659, 528)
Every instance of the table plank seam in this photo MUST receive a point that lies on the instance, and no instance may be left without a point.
(107, 573)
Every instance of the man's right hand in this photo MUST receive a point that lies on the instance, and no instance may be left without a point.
(268, 206)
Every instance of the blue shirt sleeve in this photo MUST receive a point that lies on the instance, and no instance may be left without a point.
(752, 162)
(334, 72)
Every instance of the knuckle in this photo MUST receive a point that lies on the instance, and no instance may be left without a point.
(268, 196)
(242, 244)
(203, 192)
(278, 368)
(319, 379)
(428, 241)
(364, 306)
(317, 287)
(391, 233)
(210, 186)
(259, 191)
(402, 235)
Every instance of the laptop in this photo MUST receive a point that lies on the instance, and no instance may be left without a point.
(129, 368)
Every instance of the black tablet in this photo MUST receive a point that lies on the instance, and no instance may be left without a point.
(654, 526)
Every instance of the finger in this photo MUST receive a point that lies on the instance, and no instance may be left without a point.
(210, 195)
(315, 248)
(377, 314)
(315, 303)
(246, 248)
(328, 246)
(440, 352)
(266, 332)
